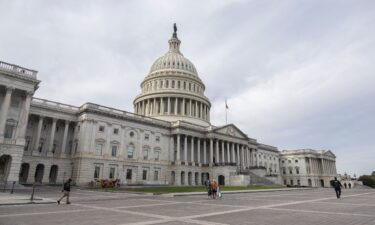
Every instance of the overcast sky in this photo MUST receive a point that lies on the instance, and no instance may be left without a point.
(297, 74)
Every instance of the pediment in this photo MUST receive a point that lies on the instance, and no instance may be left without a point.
(230, 130)
(329, 153)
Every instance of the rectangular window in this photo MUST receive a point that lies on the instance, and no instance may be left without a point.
(147, 137)
(40, 148)
(290, 171)
(156, 175)
(297, 171)
(144, 175)
(101, 128)
(97, 172)
(291, 182)
(157, 155)
(145, 154)
(114, 150)
(129, 174)
(54, 148)
(115, 131)
(99, 149)
(8, 131)
(285, 182)
(27, 145)
(284, 171)
(112, 171)
(298, 182)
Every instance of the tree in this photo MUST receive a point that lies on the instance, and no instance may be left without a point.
(368, 180)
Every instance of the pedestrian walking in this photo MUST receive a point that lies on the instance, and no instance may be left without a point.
(208, 188)
(66, 191)
(218, 194)
(336, 184)
(213, 188)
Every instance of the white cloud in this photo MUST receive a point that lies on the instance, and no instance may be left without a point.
(295, 75)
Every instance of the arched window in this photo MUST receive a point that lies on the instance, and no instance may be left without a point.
(131, 151)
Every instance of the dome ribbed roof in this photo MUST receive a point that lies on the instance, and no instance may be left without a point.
(173, 59)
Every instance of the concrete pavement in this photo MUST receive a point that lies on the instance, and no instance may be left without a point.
(305, 207)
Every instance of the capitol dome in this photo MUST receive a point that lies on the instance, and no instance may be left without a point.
(172, 90)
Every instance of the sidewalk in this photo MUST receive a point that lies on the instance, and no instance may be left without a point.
(18, 199)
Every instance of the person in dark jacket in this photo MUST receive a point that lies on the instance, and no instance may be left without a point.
(208, 188)
(66, 191)
(336, 184)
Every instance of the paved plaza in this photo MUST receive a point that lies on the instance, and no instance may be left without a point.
(317, 206)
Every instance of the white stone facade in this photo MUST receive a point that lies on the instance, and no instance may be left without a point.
(307, 167)
(168, 140)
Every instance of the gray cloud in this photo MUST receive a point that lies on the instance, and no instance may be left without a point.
(295, 74)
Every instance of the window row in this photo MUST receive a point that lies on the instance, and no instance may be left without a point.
(113, 174)
(130, 151)
(172, 84)
(131, 133)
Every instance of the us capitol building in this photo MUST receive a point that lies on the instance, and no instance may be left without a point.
(167, 140)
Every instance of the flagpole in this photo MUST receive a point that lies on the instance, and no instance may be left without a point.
(226, 112)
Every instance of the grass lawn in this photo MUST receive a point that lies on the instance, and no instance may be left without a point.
(178, 189)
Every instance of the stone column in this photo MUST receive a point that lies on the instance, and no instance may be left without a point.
(161, 106)
(65, 136)
(233, 158)
(24, 116)
(204, 152)
(176, 106)
(199, 150)
(169, 106)
(185, 150)
(247, 157)
(192, 150)
(178, 148)
(201, 108)
(4, 110)
(211, 151)
(208, 114)
(217, 155)
(196, 109)
(183, 107)
(147, 107)
(238, 155)
(222, 152)
(228, 153)
(38, 133)
(52, 136)
(190, 109)
(243, 156)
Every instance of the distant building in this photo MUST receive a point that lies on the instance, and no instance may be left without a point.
(307, 167)
(168, 140)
